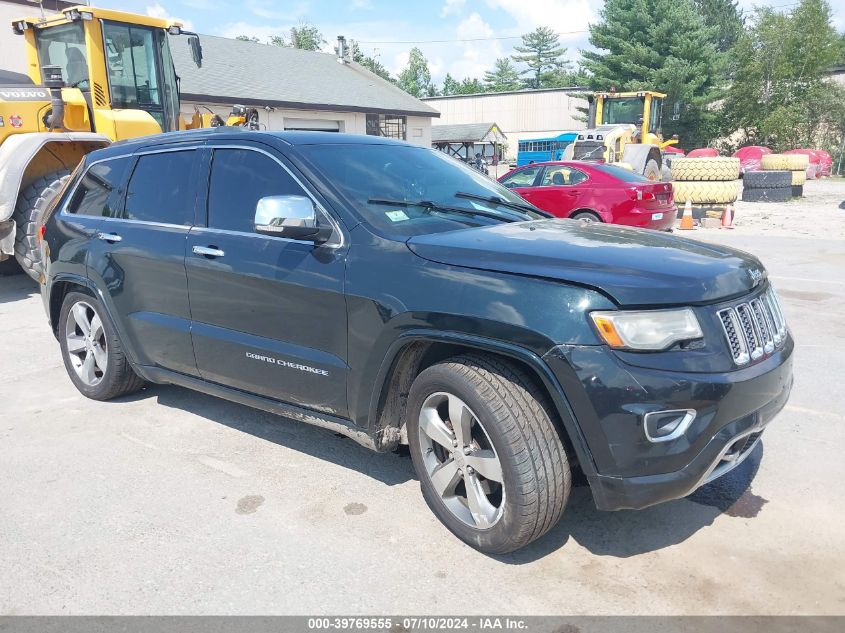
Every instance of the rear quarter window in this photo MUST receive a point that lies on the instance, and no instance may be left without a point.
(99, 191)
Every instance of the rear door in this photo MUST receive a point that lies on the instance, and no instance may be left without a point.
(269, 314)
(139, 258)
(559, 189)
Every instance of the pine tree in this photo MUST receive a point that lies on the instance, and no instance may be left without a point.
(450, 86)
(780, 94)
(370, 63)
(503, 77)
(542, 53)
(415, 79)
(726, 17)
(661, 45)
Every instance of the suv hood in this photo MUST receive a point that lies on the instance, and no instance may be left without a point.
(634, 267)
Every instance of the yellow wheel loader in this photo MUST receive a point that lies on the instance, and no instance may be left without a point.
(625, 127)
(93, 76)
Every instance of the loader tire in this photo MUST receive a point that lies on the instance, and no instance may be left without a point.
(723, 192)
(652, 170)
(29, 212)
(798, 191)
(771, 194)
(705, 168)
(766, 179)
(799, 177)
(788, 162)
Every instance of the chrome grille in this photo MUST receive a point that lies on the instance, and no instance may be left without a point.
(754, 328)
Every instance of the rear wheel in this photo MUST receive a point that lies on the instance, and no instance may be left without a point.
(92, 352)
(586, 216)
(491, 464)
(29, 215)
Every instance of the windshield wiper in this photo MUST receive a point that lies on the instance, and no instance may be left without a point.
(430, 205)
(497, 200)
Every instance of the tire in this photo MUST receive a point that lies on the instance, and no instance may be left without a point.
(799, 178)
(777, 194)
(787, 162)
(766, 179)
(706, 192)
(29, 213)
(509, 420)
(798, 191)
(652, 170)
(110, 375)
(586, 216)
(696, 169)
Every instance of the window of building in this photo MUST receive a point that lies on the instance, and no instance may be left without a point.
(239, 179)
(387, 125)
(163, 189)
(98, 192)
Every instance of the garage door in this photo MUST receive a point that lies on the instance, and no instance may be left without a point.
(314, 125)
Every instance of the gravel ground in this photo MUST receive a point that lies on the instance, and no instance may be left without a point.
(174, 502)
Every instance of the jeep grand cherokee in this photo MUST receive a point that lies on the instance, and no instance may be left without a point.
(389, 293)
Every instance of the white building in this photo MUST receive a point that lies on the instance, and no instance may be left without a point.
(524, 114)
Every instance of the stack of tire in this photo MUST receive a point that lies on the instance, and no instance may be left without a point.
(796, 164)
(706, 181)
(767, 186)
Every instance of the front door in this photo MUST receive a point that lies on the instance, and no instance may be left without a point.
(269, 314)
(139, 258)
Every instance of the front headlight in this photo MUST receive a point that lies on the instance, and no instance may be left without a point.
(646, 329)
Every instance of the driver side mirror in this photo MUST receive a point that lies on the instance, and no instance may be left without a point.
(196, 50)
(293, 217)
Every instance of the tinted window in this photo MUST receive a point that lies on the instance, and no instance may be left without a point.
(98, 192)
(625, 175)
(521, 178)
(561, 175)
(162, 188)
(239, 179)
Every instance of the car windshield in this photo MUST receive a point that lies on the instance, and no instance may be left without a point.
(625, 175)
(404, 190)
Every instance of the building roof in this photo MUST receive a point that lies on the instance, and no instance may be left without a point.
(467, 133)
(527, 91)
(248, 73)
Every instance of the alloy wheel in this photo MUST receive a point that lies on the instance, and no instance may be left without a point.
(85, 340)
(460, 461)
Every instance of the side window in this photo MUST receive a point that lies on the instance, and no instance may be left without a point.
(162, 188)
(239, 179)
(561, 175)
(521, 178)
(98, 193)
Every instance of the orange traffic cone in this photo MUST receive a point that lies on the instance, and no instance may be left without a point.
(728, 218)
(686, 219)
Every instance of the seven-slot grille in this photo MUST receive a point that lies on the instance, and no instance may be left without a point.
(754, 328)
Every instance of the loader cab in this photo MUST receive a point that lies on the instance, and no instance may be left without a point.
(118, 61)
(642, 109)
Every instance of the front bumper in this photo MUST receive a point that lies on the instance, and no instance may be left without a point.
(610, 397)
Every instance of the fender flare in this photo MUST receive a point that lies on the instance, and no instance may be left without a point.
(17, 152)
(639, 154)
(521, 354)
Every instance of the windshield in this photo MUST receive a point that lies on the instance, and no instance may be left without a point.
(622, 110)
(64, 46)
(370, 176)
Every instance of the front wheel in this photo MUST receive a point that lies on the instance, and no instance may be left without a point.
(29, 215)
(491, 464)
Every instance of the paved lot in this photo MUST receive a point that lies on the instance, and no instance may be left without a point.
(175, 502)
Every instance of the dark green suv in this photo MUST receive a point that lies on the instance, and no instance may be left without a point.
(390, 293)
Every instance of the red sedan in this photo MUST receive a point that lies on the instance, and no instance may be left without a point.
(595, 192)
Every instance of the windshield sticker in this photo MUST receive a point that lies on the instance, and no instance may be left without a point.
(396, 215)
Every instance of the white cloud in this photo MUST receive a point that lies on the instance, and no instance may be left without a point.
(478, 56)
(564, 16)
(452, 7)
(158, 11)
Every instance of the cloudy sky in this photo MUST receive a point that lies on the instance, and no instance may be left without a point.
(462, 37)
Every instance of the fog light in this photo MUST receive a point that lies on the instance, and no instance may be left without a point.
(664, 426)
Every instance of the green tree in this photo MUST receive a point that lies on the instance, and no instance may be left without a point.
(306, 37)
(277, 40)
(781, 94)
(370, 63)
(661, 45)
(503, 77)
(248, 38)
(725, 17)
(415, 79)
(542, 53)
(450, 86)
(470, 87)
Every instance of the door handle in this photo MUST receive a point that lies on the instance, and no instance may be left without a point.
(208, 251)
(109, 237)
